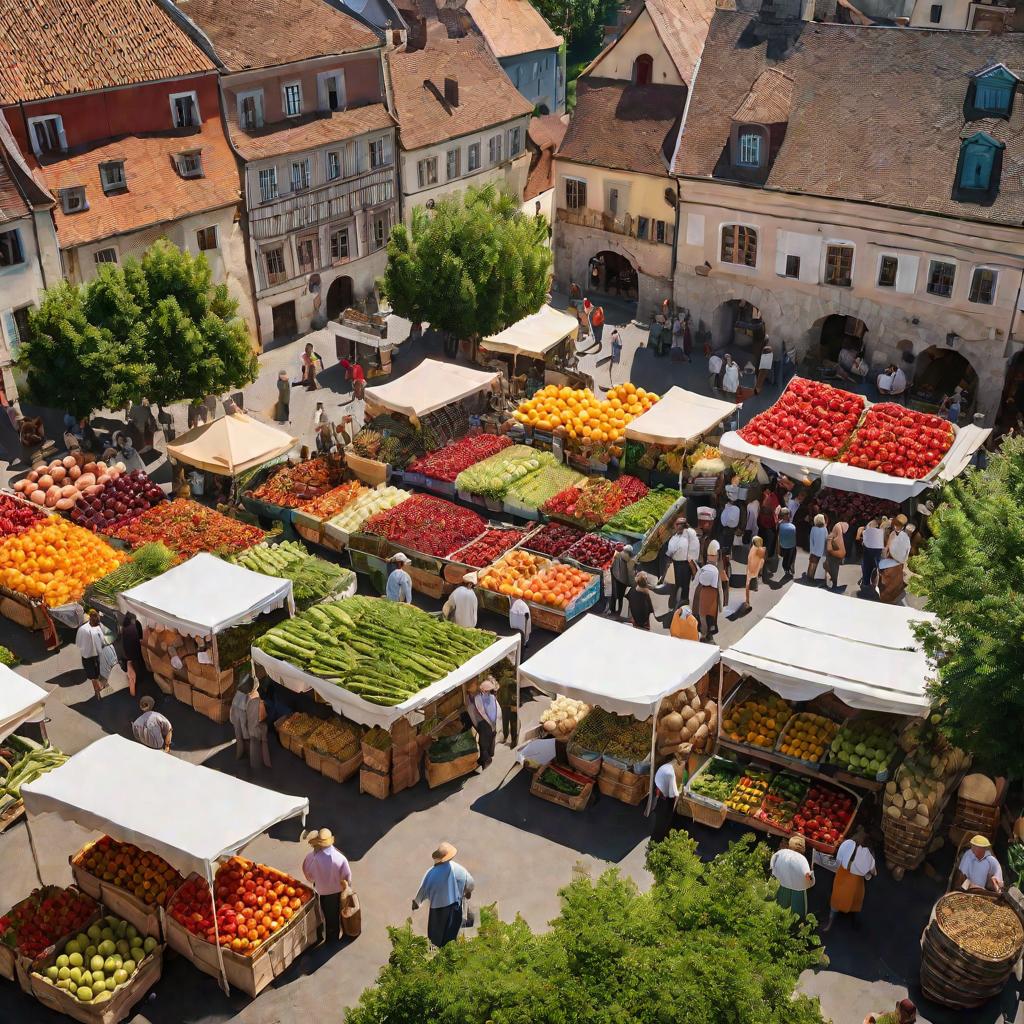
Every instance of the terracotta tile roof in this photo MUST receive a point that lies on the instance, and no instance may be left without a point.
(548, 130)
(625, 126)
(297, 134)
(682, 27)
(876, 114)
(12, 203)
(19, 191)
(486, 96)
(768, 100)
(156, 193)
(60, 47)
(545, 135)
(258, 33)
(512, 27)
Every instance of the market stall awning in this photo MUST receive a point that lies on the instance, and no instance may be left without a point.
(621, 669)
(431, 385)
(354, 708)
(958, 458)
(813, 642)
(20, 701)
(535, 335)
(680, 417)
(230, 445)
(204, 595)
(189, 815)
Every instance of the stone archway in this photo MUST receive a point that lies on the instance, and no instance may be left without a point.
(339, 297)
(938, 370)
(613, 273)
(838, 332)
(738, 324)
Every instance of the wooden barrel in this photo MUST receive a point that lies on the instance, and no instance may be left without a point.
(969, 949)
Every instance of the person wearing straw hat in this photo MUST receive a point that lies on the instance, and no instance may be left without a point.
(790, 869)
(327, 869)
(978, 867)
(399, 586)
(444, 887)
(463, 606)
(485, 714)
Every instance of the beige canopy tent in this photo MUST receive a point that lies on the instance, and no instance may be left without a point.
(230, 445)
(535, 335)
(431, 386)
(680, 417)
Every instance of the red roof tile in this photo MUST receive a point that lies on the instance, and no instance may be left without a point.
(307, 132)
(60, 47)
(512, 27)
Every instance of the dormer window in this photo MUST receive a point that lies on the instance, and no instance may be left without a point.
(72, 200)
(978, 170)
(990, 93)
(112, 176)
(749, 148)
(643, 69)
(189, 163)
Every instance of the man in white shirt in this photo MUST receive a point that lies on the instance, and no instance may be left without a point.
(683, 550)
(750, 524)
(898, 386)
(891, 577)
(730, 376)
(666, 790)
(728, 522)
(764, 366)
(714, 369)
(519, 619)
(978, 868)
(463, 605)
(90, 641)
(790, 868)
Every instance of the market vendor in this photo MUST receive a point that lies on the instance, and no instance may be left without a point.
(891, 578)
(463, 605)
(978, 868)
(682, 551)
(855, 865)
(666, 791)
(485, 714)
(399, 586)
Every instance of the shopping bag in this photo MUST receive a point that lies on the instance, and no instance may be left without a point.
(108, 659)
(351, 915)
(468, 914)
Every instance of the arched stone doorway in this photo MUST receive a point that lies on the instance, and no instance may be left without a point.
(937, 372)
(614, 274)
(840, 332)
(339, 297)
(1011, 405)
(738, 324)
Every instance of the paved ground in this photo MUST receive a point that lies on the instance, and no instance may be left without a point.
(504, 835)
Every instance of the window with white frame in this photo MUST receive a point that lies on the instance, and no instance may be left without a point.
(47, 134)
(983, 286)
(839, 265)
(575, 193)
(380, 152)
(112, 176)
(300, 175)
(473, 157)
(333, 165)
(15, 327)
(206, 238)
(291, 99)
(101, 256)
(739, 245)
(494, 149)
(331, 86)
(274, 261)
(515, 141)
(268, 184)
(72, 200)
(250, 110)
(11, 251)
(426, 172)
(749, 148)
(184, 110)
(189, 163)
(381, 229)
(452, 163)
(339, 242)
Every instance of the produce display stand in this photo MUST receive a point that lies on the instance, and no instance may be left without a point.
(230, 445)
(363, 338)
(537, 336)
(21, 701)
(647, 545)
(554, 620)
(192, 816)
(201, 598)
(622, 670)
(118, 901)
(283, 514)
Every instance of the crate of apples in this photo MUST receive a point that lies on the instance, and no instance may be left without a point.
(44, 917)
(253, 901)
(143, 874)
(594, 550)
(824, 816)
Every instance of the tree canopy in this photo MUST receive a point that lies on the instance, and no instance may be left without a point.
(707, 944)
(970, 573)
(155, 328)
(473, 265)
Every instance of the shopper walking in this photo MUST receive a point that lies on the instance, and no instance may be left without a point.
(730, 376)
(855, 865)
(871, 537)
(399, 585)
(131, 643)
(623, 577)
(639, 600)
(835, 553)
(485, 714)
(816, 545)
(463, 605)
(666, 791)
(616, 357)
(787, 542)
(755, 563)
(790, 869)
(682, 552)
(310, 359)
(327, 869)
(708, 599)
(750, 522)
(714, 370)
(152, 729)
(597, 322)
(90, 641)
(248, 717)
(444, 887)
(764, 366)
(520, 620)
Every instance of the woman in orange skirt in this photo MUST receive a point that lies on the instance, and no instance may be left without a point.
(855, 864)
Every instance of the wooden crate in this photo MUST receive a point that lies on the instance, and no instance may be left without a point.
(15, 967)
(370, 471)
(251, 974)
(26, 614)
(118, 901)
(117, 1008)
(207, 678)
(584, 765)
(377, 784)
(713, 817)
(164, 684)
(375, 758)
(340, 771)
(444, 771)
(629, 793)
(217, 710)
(182, 691)
(574, 803)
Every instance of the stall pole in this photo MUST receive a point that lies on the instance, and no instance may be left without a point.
(32, 847)
(654, 745)
(718, 717)
(216, 931)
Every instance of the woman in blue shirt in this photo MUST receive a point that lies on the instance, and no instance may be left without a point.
(444, 887)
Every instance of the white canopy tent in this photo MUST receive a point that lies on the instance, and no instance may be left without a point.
(430, 386)
(678, 418)
(356, 709)
(813, 642)
(190, 815)
(20, 701)
(621, 669)
(205, 595)
(535, 335)
(230, 445)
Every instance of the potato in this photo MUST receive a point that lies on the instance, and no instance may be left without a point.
(75, 472)
(37, 497)
(68, 461)
(64, 504)
(33, 476)
(89, 467)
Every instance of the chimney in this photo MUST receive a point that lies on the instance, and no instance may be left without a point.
(451, 92)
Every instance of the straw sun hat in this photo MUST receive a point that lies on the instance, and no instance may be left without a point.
(319, 839)
(444, 853)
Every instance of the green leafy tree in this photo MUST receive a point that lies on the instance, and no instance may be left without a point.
(156, 328)
(572, 19)
(472, 266)
(707, 944)
(970, 572)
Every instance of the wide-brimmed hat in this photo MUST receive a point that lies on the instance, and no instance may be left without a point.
(147, 704)
(319, 838)
(471, 578)
(401, 557)
(444, 853)
(900, 520)
(982, 842)
(797, 843)
(489, 686)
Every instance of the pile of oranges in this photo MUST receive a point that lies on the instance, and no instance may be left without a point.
(147, 876)
(520, 574)
(583, 416)
(55, 561)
